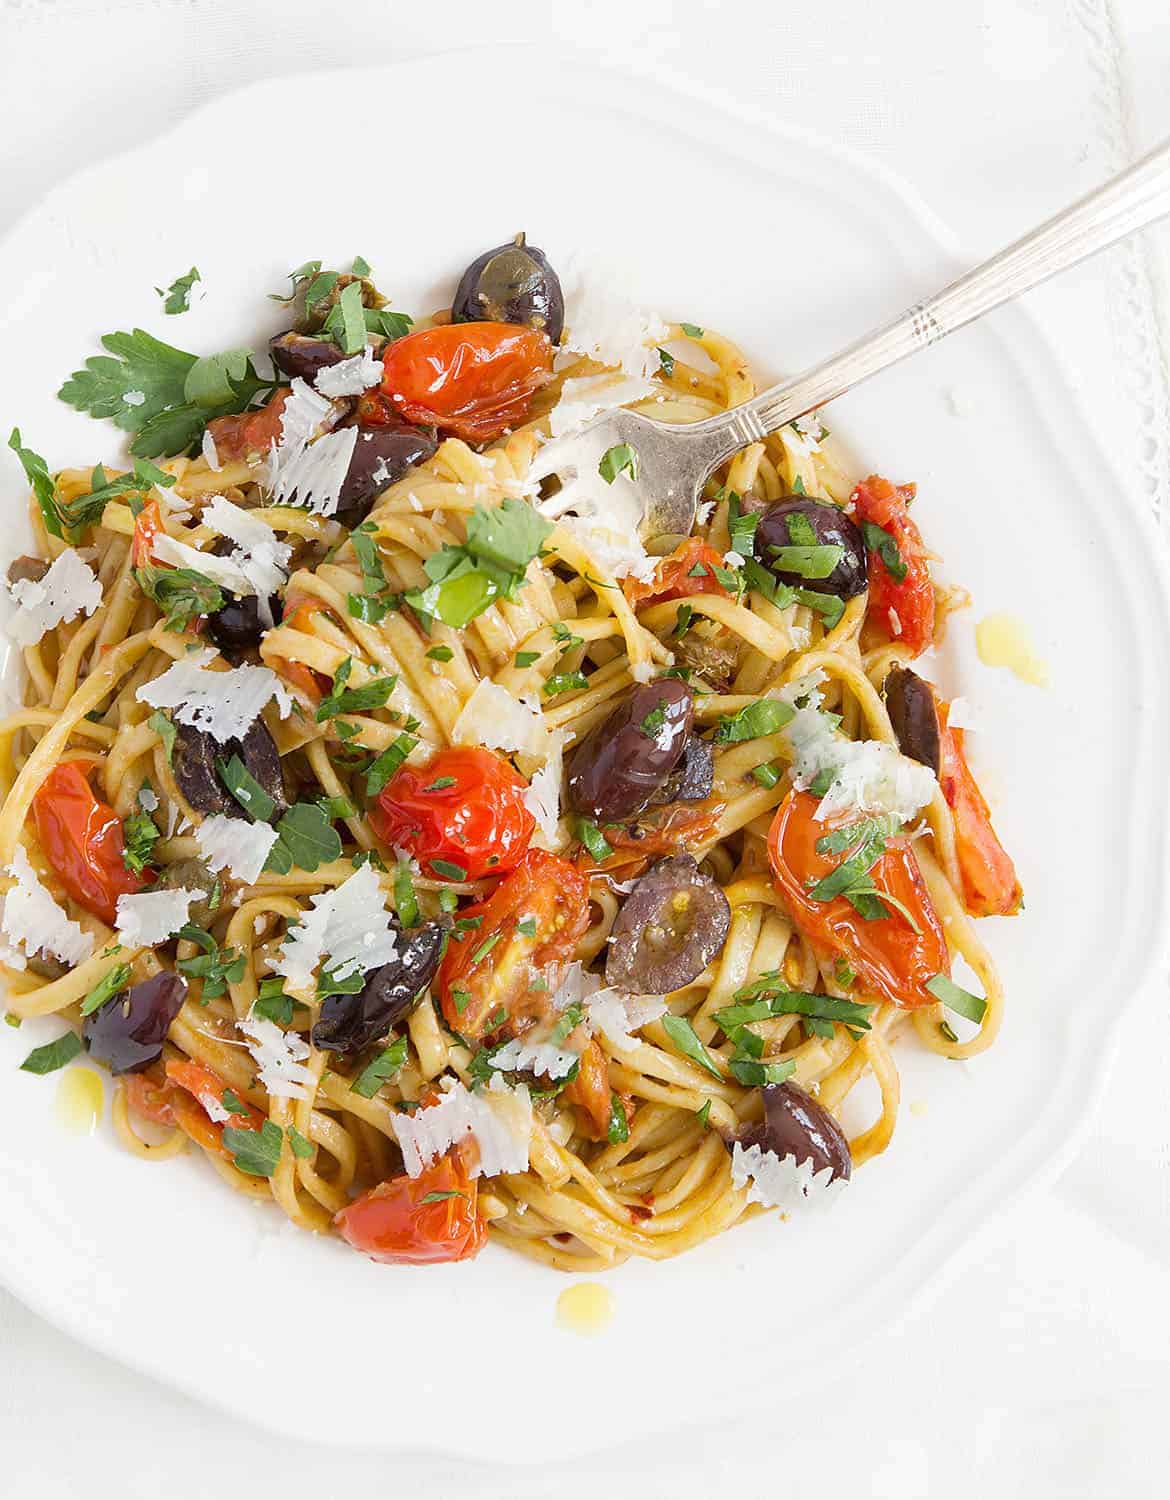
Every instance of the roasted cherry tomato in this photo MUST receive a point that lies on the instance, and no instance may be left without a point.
(590, 1090)
(191, 1097)
(396, 1223)
(690, 569)
(901, 601)
(148, 524)
(506, 953)
(81, 837)
(298, 615)
(893, 956)
(472, 379)
(990, 885)
(464, 808)
(251, 433)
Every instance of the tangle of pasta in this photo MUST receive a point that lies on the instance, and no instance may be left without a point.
(659, 1178)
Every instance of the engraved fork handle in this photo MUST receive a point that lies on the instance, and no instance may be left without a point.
(1126, 203)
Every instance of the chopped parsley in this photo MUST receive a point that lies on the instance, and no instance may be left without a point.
(112, 984)
(527, 658)
(301, 1146)
(653, 721)
(255, 1152)
(621, 458)
(446, 870)
(741, 526)
(682, 620)
(306, 840)
(753, 1074)
(387, 763)
(216, 967)
(440, 653)
(807, 562)
(405, 899)
(273, 1004)
(765, 716)
(491, 564)
(52, 1055)
(618, 1130)
(177, 297)
(692, 330)
(246, 789)
(866, 843)
(440, 1197)
(682, 1034)
(961, 1001)
(666, 362)
(565, 682)
(343, 700)
(878, 540)
(768, 774)
(594, 840)
(380, 1069)
(139, 836)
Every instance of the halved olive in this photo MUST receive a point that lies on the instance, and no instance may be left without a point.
(795, 1124)
(626, 759)
(513, 283)
(797, 521)
(693, 777)
(380, 456)
(296, 354)
(911, 707)
(350, 1022)
(127, 1033)
(672, 924)
(193, 762)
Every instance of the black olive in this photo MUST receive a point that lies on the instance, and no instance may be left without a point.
(380, 456)
(831, 527)
(31, 569)
(191, 875)
(350, 1022)
(513, 283)
(618, 767)
(673, 922)
(238, 626)
(296, 354)
(910, 704)
(796, 1125)
(127, 1032)
(693, 777)
(314, 319)
(193, 762)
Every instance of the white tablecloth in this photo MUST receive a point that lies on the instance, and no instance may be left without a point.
(1043, 1371)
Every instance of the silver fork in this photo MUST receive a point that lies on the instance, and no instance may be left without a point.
(673, 462)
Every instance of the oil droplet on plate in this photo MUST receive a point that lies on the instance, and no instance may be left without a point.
(586, 1307)
(81, 1099)
(1003, 641)
(919, 1107)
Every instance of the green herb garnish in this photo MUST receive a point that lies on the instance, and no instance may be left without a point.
(177, 297)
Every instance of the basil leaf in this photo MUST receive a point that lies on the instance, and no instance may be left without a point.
(682, 1034)
(828, 606)
(380, 1069)
(962, 1001)
(52, 1055)
(255, 1152)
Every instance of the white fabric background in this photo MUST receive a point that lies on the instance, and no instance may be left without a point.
(1042, 1370)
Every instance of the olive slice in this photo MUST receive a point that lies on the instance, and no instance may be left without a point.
(796, 1125)
(193, 760)
(380, 456)
(672, 924)
(350, 1022)
(911, 707)
(191, 875)
(127, 1032)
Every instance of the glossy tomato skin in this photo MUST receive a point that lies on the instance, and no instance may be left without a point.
(392, 1224)
(899, 610)
(82, 839)
(478, 821)
(470, 379)
(251, 432)
(991, 887)
(187, 1095)
(890, 959)
(689, 570)
(510, 981)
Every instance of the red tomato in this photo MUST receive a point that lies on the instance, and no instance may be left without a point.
(493, 972)
(147, 525)
(888, 956)
(393, 1222)
(188, 1097)
(898, 610)
(472, 379)
(990, 885)
(465, 807)
(590, 1090)
(251, 432)
(82, 839)
(298, 614)
(688, 570)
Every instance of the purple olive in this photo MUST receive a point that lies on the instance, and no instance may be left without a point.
(693, 777)
(672, 924)
(910, 705)
(127, 1032)
(240, 624)
(296, 354)
(350, 1022)
(797, 521)
(513, 283)
(624, 761)
(380, 456)
(194, 757)
(28, 569)
(796, 1125)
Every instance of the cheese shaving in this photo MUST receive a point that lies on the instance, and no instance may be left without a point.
(279, 1057)
(224, 704)
(781, 1181)
(542, 796)
(607, 326)
(492, 717)
(235, 845)
(498, 1119)
(350, 927)
(34, 921)
(69, 588)
(350, 377)
(150, 917)
(541, 1058)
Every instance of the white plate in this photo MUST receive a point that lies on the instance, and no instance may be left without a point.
(790, 246)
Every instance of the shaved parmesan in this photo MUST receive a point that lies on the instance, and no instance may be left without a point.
(258, 555)
(618, 1016)
(349, 928)
(492, 717)
(781, 1181)
(576, 985)
(498, 1119)
(224, 704)
(605, 325)
(33, 919)
(151, 917)
(582, 399)
(223, 571)
(313, 477)
(542, 796)
(867, 776)
(235, 845)
(542, 1058)
(303, 416)
(279, 1057)
(68, 589)
(350, 377)
(618, 552)
(210, 452)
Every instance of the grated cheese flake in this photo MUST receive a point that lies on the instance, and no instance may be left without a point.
(584, 398)
(868, 776)
(618, 1016)
(150, 917)
(313, 477)
(210, 452)
(34, 921)
(542, 796)
(498, 1119)
(350, 377)
(781, 1181)
(348, 926)
(607, 325)
(279, 1056)
(492, 717)
(542, 1058)
(69, 588)
(224, 704)
(257, 554)
(235, 845)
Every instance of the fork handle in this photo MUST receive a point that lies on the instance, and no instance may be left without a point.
(1126, 203)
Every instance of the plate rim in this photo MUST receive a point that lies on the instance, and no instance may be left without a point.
(986, 1199)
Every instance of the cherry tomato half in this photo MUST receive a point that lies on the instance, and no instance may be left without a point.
(991, 887)
(472, 379)
(82, 839)
(504, 959)
(690, 569)
(590, 1090)
(396, 1224)
(890, 958)
(147, 525)
(191, 1097)
(900, 608)
(464, 808)
(251, 433)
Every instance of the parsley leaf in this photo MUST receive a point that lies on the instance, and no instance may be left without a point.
(343, 700)
(139, 836)
(621, 458)
(594, 840)
(380, 1069)
(405, 899)
(753, 1074)
(273, 1004)
(807, 562)
(215, 966)
(962, 1001)
(256, 1152)
(306, 840)
(52, 1055)
(245, 789)
(765, 716)
(177, 297)
(878, 540)
(491, 564)
(682, 1034)
(181, 593)
(741, 527)
(828, 606)
(692, 330)
(619, 1126)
